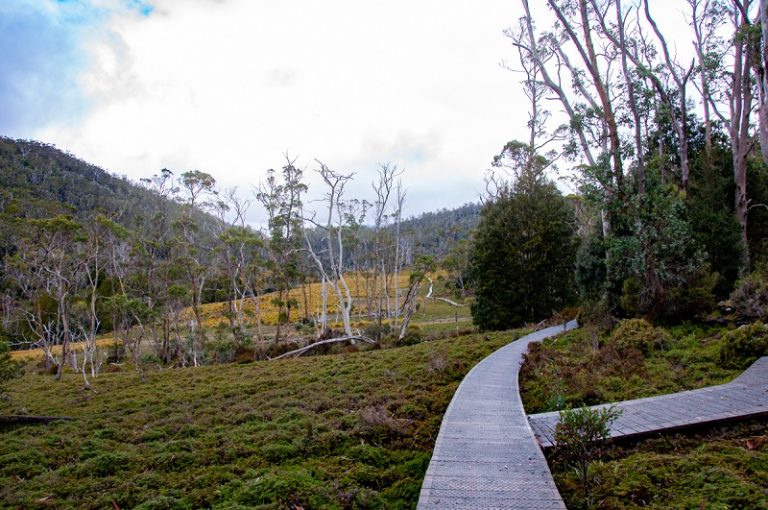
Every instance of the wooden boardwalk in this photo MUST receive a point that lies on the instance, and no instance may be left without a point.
(744, 397)
(486, 456)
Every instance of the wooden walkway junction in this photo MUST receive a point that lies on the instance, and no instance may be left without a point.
(486, 456)
(488, 452)
(744, 397)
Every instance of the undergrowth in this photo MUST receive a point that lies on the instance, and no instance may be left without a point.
(346, 431)
(583, 367)
(713, 469)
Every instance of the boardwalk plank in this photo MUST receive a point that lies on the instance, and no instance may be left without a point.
(487, 454)
(744, 397)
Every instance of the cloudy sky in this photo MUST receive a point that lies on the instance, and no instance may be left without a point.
(230, 86)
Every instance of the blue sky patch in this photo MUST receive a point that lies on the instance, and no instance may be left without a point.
(43, 58)
(142, 7)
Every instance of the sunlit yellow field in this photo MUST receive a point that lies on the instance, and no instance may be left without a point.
(307, 304)
(33, 354)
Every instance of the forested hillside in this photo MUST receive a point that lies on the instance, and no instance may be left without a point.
(437, 233)
(39, 180)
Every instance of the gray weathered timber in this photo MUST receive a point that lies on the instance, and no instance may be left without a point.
(486, 456)
(744, 397)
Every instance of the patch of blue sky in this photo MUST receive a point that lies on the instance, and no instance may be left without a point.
(86, 8)
(41, 60)
(143, 8)
(44, 54)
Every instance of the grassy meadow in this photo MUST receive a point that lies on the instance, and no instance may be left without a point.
(353, 430)
(308, 302)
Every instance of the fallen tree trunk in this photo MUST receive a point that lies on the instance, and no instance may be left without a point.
(30, 420)
(298, 352)
(446, 300)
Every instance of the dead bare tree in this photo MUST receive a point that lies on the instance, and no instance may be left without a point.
(400, 200)
(383, 266)
(333, 229)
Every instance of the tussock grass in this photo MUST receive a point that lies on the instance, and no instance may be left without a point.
(346, 431)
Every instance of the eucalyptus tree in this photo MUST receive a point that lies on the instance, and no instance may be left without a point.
(282, 196)
(193, 255)
(420, 270)
(154, 274)
(240, 261)
(47, 270)
(761, 71)
(625, 94)
(707, 19)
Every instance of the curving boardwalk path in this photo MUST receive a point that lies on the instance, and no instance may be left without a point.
(486, 456)
(744, 397)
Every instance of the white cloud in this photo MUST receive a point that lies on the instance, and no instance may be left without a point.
(229, 86)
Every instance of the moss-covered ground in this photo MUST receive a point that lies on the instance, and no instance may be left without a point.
(712, 470)
(706, 469)
(350, 430)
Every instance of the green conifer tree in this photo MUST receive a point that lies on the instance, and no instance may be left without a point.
(524, 252)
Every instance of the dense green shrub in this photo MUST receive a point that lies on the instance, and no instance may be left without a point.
(590, 266)
(742, 346)
(583, 367)
(637, 334)
(377, 330)
(9, 369)
(523, 258)
(413, 336)
(694, 298)
(221, 350)
(579, 437)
